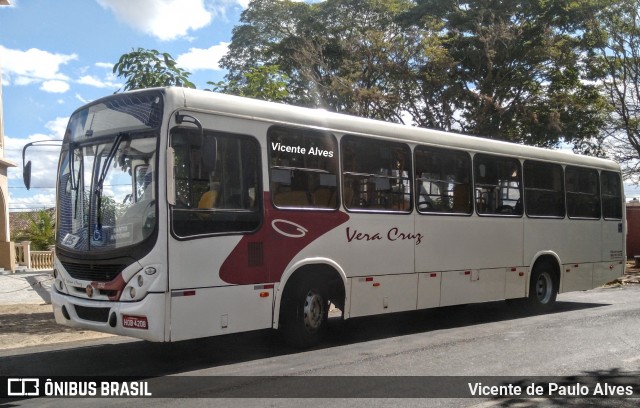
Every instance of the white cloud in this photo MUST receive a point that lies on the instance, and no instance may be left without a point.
(97, 82)
(82, 99)
(203, 59)
(107, 65)
(44, 162)
(57, 127)
(34, 65)
(55, 86)
(163, 19)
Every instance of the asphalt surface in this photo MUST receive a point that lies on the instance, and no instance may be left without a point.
(592, 338)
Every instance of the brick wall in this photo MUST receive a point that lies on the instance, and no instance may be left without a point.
(633, 230)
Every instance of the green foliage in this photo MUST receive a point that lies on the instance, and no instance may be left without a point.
(347, 56)
(614, 47)
(144, 68)
(519, 68)
(40, 229)
(262, 82)
(504, 69)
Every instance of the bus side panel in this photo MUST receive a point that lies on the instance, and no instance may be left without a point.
(201, 301)
(374, 244)
(222, 310)
(383, 294)
(472, 286)
(606, 272)
(461, 242)
(429, 289)
(516, 283)
(577, 277)
(545, 235)
(613, 249)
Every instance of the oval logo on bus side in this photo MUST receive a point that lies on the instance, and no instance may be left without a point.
(288, 228)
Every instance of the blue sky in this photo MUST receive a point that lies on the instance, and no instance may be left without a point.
(58, 55)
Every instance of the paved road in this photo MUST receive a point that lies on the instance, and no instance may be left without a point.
(592, 335)
(25, 287)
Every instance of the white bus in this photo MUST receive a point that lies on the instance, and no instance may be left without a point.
(186, 214)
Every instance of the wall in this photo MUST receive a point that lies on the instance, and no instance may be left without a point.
(633, 230)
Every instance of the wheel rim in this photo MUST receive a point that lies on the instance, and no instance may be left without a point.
(544, 288)
(313, 311)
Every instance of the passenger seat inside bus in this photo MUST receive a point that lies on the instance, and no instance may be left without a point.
(296, 198)
(210, 198)
(324, 198)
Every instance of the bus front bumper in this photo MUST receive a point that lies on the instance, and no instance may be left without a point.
(143, 319)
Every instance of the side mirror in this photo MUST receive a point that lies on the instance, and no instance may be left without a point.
(26, 167)
(26, 174)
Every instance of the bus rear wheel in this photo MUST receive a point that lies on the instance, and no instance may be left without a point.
(304, 314)
(543, 288)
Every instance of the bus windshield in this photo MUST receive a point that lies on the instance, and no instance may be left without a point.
(107, 184)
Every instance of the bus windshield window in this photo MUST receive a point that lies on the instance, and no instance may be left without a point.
(121, 212)
(105, 199)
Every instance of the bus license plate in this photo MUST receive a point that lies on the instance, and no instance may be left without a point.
(135, 322)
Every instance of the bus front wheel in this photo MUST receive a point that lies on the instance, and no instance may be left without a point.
(304, 314)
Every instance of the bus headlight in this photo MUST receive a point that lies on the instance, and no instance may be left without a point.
(139, 284)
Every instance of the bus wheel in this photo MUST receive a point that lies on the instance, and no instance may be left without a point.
(542, 290)
(305, 314)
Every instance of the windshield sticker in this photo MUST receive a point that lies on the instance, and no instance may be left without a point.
(70, 241)
(123, 233)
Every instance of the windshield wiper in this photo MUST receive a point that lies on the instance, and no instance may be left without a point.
(103, 174)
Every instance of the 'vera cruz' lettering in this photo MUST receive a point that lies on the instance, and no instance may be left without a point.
(393, 234)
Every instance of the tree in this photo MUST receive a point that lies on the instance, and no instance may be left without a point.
(348, 56)
(40, 229)
(615, 47)
(518, 74)
(504, 69)
(264, 82)
(144, 68)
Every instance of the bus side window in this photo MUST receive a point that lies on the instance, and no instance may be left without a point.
(223, 198)
(497, 182)
(443, 181)
(303, 168)
(583, 192)
(543, 189)
(376, 175)
(611, 195)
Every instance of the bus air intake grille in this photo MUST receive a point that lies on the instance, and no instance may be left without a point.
(94, 314)
(93, 272)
